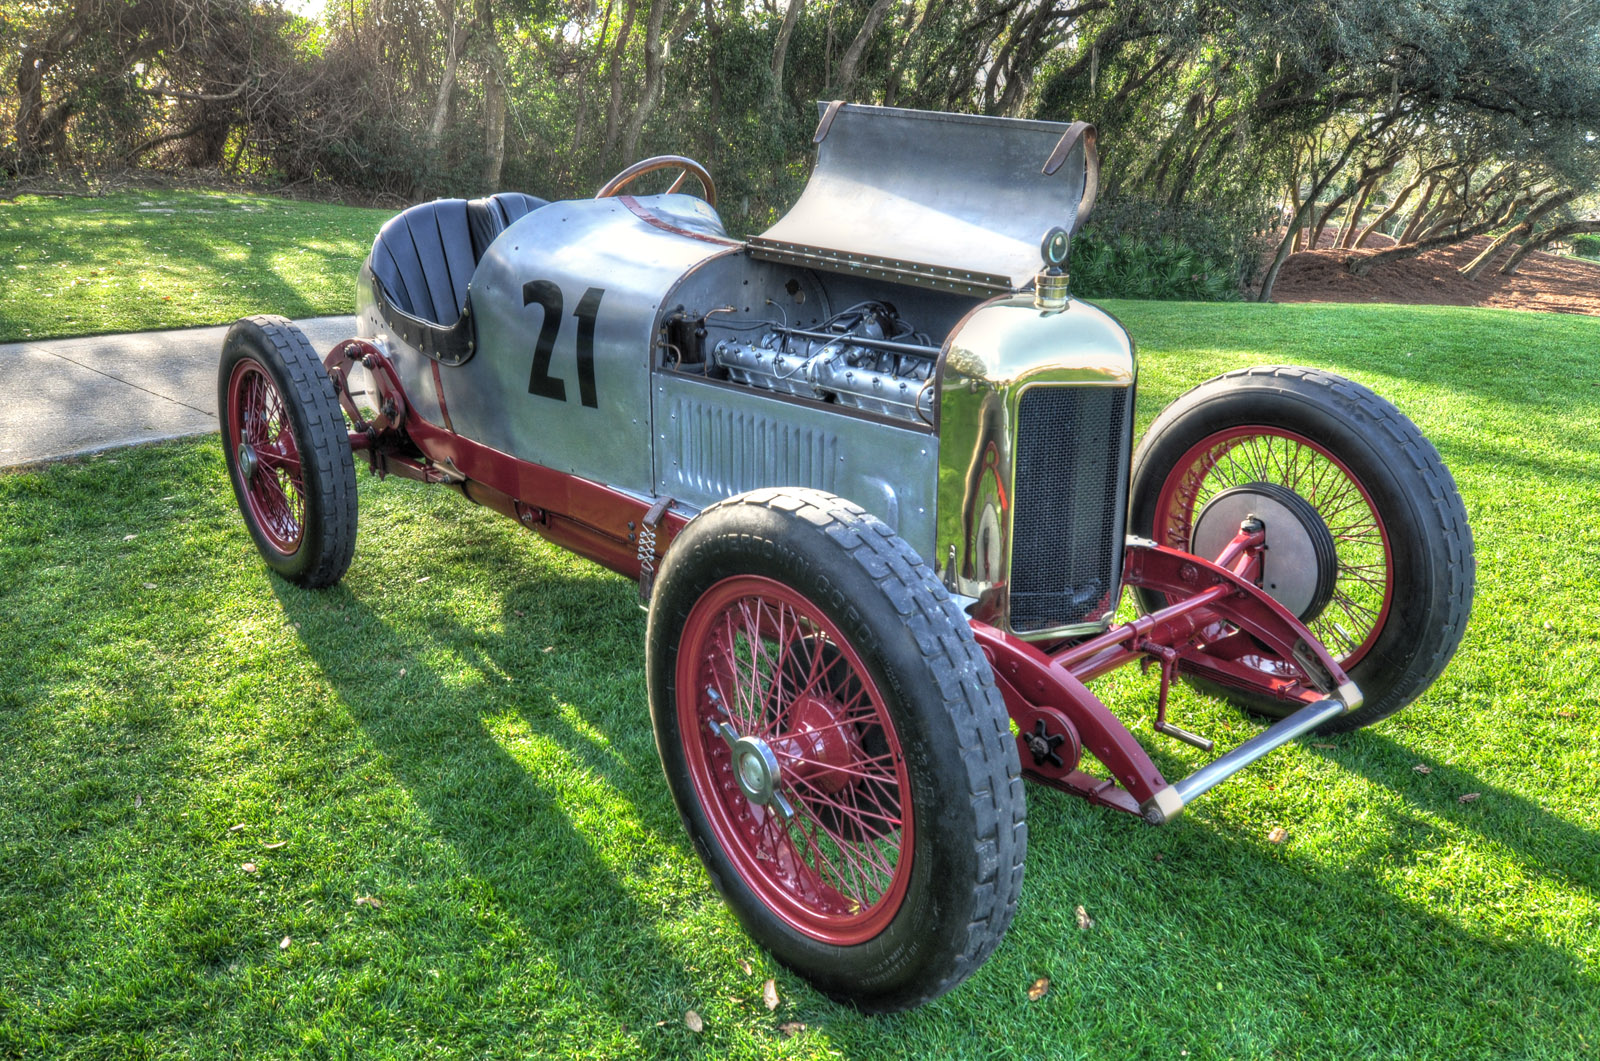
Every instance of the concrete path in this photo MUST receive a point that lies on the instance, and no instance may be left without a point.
(65, 397)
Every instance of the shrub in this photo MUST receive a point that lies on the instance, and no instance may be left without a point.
(1125, 267)
(1587, 247)
(1134, 248)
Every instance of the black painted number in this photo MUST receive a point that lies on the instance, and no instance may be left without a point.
(548, 296)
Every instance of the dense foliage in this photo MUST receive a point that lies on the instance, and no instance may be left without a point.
(1228, 127)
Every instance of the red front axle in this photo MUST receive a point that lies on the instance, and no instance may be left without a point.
(1220, 626)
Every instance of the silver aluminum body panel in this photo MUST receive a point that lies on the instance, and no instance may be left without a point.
(955, 202)
(632, 249)
(412, 366)
(1000, 350)
(714, 440)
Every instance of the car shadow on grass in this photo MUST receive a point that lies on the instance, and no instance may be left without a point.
(519, 820)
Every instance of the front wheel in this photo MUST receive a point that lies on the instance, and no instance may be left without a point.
(1367, 538)
(287, 450)
(836, 746)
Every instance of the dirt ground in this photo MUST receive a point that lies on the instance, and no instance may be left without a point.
(1543, 281)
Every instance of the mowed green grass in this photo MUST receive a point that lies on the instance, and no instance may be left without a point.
(479, 857)
(135, 261)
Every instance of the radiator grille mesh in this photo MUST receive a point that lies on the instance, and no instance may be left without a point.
(1069, 502)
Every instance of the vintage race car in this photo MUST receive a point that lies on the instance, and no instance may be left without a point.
(873, 471)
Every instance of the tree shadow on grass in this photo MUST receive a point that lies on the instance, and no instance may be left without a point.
(1543, 843)
(1225, 945)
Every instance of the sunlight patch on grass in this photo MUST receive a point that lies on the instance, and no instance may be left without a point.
(135, 261)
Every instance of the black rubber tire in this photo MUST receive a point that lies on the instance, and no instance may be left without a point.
(1412, 492)
(328, 538)
(970, 837)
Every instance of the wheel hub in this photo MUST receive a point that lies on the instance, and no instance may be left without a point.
(819, 748)
(1300, 562)
(756, 767)
(248, 462)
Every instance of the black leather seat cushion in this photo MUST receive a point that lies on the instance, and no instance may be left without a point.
(423, 257)
(488, 217)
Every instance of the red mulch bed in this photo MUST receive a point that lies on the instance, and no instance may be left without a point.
(1542, 282)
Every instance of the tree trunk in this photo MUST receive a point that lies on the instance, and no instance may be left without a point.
(1420, 212)
(1025, 61)
(583, 74)
(1298, 241)
(1317, 188)
(852, 56)
(494, 97)
(614, 107)
(1477, 265)
(1191, 166)
(1285, 245)
(913, 23)
(1348, 232)
(447, 86)
(1392, 209)
(1438, 224)
(1545, 238)
(657, 47)
(1363, 266)
(494, 126)
(1322, 220)
(35, 125)
(780, 50)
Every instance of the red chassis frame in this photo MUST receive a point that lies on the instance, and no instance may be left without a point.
(1220, 626)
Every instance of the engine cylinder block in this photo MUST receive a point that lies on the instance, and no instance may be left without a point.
(853, 365)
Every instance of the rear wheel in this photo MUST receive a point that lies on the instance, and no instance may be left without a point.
(1367, 538)
(836, 746)
(287, 451)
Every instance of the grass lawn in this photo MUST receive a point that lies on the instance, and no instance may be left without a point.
(134, 261)
(421, 814)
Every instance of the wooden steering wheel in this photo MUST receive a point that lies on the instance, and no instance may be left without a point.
(685, 166)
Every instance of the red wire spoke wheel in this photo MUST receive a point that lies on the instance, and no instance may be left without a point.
(1363, 507)
(287, 451)
(262, 441)
(1249, 455)
(780, 765)
(836, 746)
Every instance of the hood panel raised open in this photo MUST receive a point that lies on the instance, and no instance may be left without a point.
(954, 202)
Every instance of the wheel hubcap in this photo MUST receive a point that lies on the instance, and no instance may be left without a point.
(755, 766)
(247, 461)
(1300, 565)
(758, 768)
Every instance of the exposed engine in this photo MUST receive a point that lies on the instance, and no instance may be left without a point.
(864, 357)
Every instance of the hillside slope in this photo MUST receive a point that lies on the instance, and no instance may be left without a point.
(1543, 282)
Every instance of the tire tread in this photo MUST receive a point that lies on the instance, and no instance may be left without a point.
(964, 679)
(1401, 445)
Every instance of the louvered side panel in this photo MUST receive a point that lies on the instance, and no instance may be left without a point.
(712, 442)
(723, 451)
